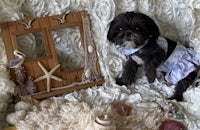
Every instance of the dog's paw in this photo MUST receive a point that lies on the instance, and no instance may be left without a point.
(123, 81)
(151, 79)
(151, 76)
(197, 82)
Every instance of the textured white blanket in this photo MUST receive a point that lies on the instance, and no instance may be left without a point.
(178, 20)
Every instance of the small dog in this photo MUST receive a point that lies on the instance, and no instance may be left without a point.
(139, 39)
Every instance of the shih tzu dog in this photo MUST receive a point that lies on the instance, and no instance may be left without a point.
(140, 40)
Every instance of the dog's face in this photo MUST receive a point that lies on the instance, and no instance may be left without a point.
(132, 29)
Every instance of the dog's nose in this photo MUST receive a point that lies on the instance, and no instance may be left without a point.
(128, 33)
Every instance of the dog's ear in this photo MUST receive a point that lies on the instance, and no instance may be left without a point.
(154, 36)
(114, 26)
(154, 29)
(110, 31)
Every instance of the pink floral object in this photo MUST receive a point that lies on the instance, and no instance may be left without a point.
(172, 125)
(122, 109)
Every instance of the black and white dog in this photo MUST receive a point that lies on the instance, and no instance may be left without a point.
(139, 37)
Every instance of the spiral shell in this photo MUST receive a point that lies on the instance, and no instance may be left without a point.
(104, 123)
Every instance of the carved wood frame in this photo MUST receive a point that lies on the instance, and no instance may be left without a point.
(73, 79)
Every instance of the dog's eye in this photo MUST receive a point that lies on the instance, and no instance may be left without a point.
(137, 29)
(120, 29)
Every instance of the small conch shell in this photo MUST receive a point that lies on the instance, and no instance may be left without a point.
(103, 123)
(90, 49)
(88, 73)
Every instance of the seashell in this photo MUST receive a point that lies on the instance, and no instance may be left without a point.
(103, 120)
(23, 105)
(172, 125)
(103, 123)
(90, 49)
(14, 118)
(88, 73)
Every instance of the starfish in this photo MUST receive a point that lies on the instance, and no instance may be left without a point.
(48, 75)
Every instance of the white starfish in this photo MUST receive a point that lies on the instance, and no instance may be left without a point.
(48, 75)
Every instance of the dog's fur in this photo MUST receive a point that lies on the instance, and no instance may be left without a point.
(132, 29)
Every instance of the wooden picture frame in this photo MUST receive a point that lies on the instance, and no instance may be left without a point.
(75, 79)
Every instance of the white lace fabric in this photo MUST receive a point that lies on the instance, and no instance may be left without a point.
(177, 19)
